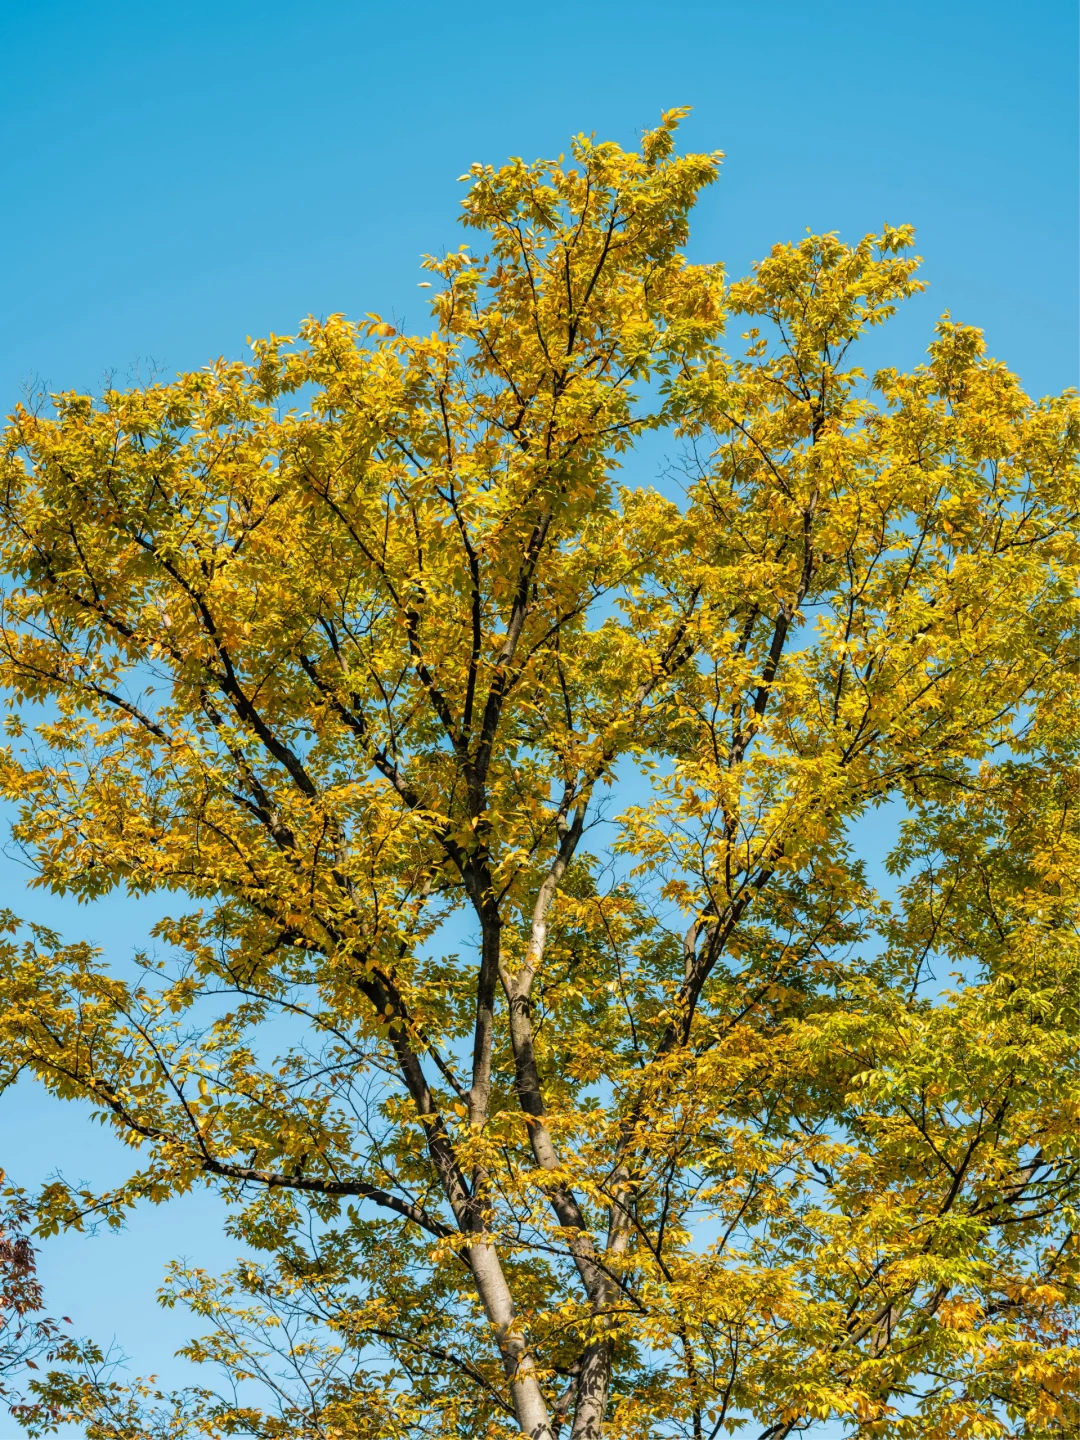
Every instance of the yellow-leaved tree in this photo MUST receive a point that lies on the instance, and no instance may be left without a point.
(527, 998)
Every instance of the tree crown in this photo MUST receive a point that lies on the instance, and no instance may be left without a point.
(646, 1129)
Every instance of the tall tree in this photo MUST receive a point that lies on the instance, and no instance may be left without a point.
(548, 1119)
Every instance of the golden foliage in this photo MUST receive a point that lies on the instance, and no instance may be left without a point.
(658, 1128)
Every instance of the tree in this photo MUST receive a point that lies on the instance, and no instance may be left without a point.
(26, 1334)
(545, 1118)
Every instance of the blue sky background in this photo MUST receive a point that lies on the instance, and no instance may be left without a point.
(178, 177)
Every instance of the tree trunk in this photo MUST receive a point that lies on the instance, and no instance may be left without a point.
(592, 1393)
(530, 1407)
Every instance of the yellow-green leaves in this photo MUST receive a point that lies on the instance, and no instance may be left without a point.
(640, 1113)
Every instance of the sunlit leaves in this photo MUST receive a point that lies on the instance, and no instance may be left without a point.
(538, 1114)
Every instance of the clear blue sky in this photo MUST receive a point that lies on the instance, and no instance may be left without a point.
(178, 176)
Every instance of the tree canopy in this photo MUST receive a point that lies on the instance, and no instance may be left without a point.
(529, 997)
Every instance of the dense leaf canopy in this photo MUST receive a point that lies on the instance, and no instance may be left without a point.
(527, 996)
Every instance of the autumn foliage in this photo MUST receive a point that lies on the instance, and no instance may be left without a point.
(27, 1335)
(528, 997)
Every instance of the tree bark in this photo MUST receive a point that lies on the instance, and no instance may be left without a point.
(530, 1407)
(592, 1392)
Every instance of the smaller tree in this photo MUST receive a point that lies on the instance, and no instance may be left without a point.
(26, 1335)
